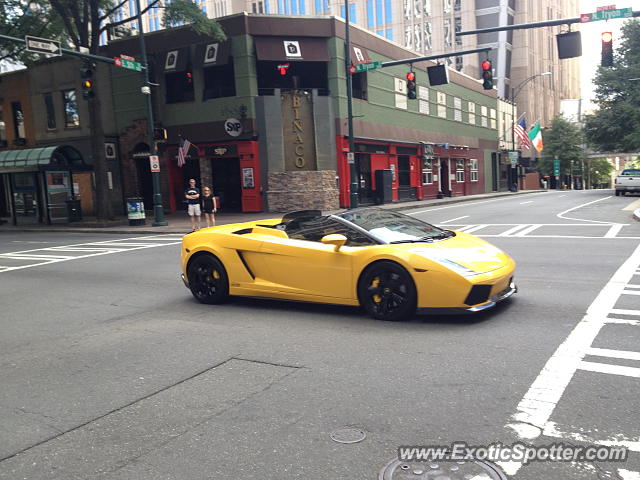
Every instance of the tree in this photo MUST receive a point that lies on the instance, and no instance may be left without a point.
(615, 126)
(82, 24)
(562, 140)
(599, 171)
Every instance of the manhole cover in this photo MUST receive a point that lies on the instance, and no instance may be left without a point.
(348, 435)
(441, 470)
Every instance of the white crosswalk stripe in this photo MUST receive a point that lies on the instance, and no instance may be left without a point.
(544, 230)
(62, 253)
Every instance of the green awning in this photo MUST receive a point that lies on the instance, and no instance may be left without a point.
(43, 158)
(26, 157)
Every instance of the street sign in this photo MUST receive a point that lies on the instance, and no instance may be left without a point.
(352, 69)
(513, 156)
(128, 64)
(556, 168)
(42, 45)
(154, 163)
(363, 67)
(127, 57)
(606, 15)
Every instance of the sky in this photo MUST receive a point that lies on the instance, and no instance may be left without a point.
(591, 41)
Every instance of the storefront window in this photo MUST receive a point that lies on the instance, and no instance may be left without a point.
(474, 169)
(460, 170)
(179, 86)
(71, 114)
(427, 171)
(219, 81)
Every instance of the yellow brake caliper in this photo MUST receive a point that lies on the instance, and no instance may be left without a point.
(374, 284)
(215, 275)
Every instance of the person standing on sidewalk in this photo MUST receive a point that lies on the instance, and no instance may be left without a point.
(208, 207)
(192, 194)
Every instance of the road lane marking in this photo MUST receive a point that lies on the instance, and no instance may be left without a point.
(464, 228)
(454, 219)
(92, 249)
(464, 204)
(512, 230)
(524, 203)
(633, 205)
(613, 231)
(625, 312)
(633, 444)
(527, 230)
(622, 321)
(474, 228)
(606, 352)
(537, 405)
(628, 474)
(561, 214)
(610, 369)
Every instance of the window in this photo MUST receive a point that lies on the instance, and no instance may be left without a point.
(428, 43)
(427, 171)
(219, 81)
(472, 113)
(313, 229)
(457, 109)
(474, 169)
(51, 113)
(179, 86)
(359, 85)
(460, 170)
(442, 104)
(70, 104)
(18, 119)
(3, 135)
(423, 100)
(457, 22)
(448, 34)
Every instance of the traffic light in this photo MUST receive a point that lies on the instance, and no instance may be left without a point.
(160, 134)
(411, 85)
(86, 73)
(487, 75)
(282, 68)
(607, 49)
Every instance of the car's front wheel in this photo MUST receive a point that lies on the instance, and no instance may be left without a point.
(387, 292)
(208, 280)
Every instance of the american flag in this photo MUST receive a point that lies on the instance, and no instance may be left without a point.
(521, 132)
(183, 150)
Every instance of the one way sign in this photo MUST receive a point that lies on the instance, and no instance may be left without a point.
(42, 45)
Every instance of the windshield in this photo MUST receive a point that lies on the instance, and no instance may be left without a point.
(390, 227)
(631, 172)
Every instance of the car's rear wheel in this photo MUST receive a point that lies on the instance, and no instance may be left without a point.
(387, 292)
(208, 280)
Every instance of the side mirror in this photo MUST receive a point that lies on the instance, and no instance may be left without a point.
(335, 239)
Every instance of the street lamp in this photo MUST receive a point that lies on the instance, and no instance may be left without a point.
(514, 93)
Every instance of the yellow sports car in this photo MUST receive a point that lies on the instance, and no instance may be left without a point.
(389, 263)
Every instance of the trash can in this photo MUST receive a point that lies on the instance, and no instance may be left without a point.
(135, 211)
(74, 212)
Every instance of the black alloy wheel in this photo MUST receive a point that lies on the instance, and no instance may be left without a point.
(387, 292)
(208, 279)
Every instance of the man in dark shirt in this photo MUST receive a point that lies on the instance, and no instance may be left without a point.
(192, 194)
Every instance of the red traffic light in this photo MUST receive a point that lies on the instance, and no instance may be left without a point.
(607, 37)
(486, 65)
(411, 77)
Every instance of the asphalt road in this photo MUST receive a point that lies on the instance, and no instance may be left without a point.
(109, 369)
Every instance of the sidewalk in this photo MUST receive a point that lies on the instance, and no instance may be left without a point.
(180, 223)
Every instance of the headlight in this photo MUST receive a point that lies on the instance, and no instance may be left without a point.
(456, 267)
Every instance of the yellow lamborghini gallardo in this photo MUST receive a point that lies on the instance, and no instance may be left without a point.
(391, 264)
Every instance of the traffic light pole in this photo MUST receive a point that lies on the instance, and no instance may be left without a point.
(353, 174)
(158, 210)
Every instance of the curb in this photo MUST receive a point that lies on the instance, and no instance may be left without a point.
(124, 229)
(636, 214)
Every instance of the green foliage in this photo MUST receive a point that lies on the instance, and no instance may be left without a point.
(599, 170)
(19, 18)
(562, 140)
(180, 12)
(615, 126)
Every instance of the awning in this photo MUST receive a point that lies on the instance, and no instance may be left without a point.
(44, 158)
(175, 60)
(212, 54)
(292, 49)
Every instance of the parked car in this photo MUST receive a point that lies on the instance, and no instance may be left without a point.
(391, 264)
(628, 181)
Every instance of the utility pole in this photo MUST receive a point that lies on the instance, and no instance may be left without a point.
(353, 174)
(158, 210)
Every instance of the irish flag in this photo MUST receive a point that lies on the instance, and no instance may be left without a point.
(535, 135)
